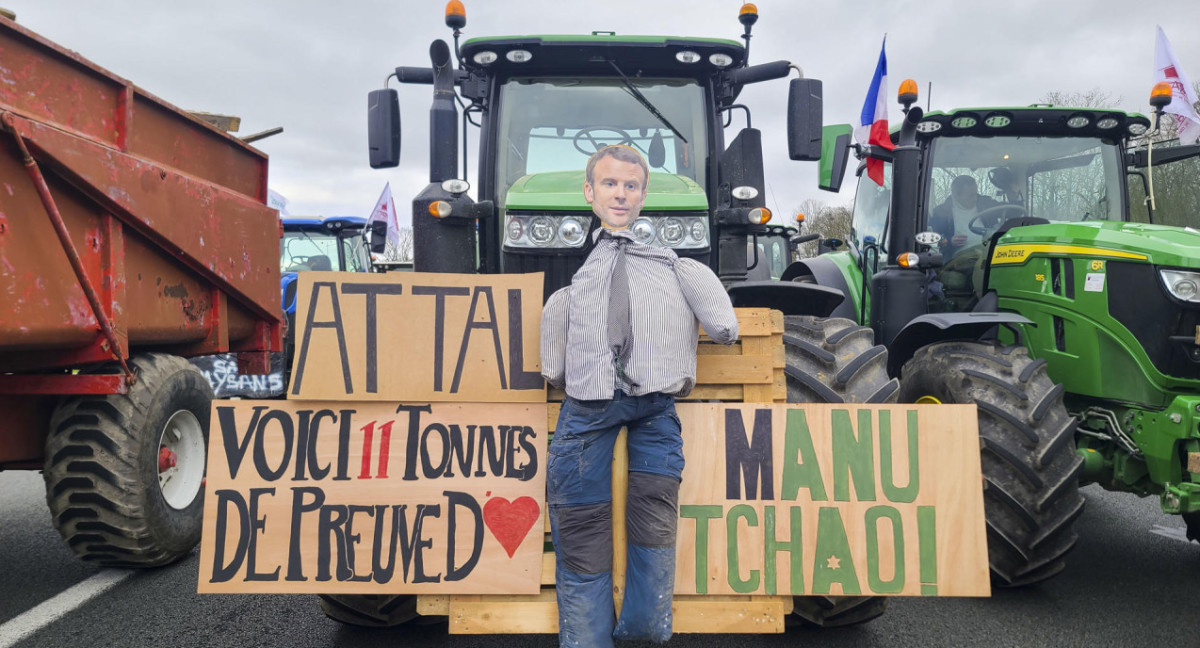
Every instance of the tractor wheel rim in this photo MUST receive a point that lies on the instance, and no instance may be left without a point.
(183, 436)
(929, 400)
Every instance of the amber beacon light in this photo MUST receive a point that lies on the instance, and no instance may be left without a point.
(456, 14)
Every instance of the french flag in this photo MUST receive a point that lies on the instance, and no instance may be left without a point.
(873, 124)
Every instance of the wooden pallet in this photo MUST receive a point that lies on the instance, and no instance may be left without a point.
(752, 371)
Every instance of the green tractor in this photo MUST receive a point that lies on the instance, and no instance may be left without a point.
(541, 106)
(1051, 298)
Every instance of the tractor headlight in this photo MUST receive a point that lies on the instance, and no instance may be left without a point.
(1183, 285)
(671, 232)
(643, 230)
(571, 232)
(545, 231)
(537, 231)
(541, 231)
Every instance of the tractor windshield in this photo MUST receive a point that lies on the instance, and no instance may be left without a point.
(318, 250)
(977, 183)
(554, 125)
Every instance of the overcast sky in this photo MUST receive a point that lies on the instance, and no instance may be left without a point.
(307, 66)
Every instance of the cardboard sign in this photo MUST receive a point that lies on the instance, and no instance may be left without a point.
(831, 499)
(313, 497)
(417, 337)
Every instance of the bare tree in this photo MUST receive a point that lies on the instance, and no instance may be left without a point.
(1094, 98)
(830, 221)
(404, 248)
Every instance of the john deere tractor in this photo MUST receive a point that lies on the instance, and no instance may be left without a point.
(541, 106)
(1047, 296)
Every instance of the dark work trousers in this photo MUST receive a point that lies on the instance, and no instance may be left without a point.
(579, 492)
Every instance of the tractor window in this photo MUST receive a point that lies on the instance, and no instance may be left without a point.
(871, 204)
(1176, 193)
(976, 184)
(308, 250)
(355, 249)
(551, 126)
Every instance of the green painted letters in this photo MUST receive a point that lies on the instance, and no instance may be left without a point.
(702, 514)
(887, 479)
(853, 457)
(740, 511)
(874, 581)
(800, 468)
(772, 546)
(832, 562)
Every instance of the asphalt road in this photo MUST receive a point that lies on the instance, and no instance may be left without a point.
(1132, 581)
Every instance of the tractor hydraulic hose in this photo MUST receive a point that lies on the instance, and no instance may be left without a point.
(64, 238)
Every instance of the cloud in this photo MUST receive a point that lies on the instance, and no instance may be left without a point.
(308, 66)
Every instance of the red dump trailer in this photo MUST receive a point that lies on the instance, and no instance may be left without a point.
(132, 236)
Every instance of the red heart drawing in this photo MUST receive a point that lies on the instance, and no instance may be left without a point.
(511, 521)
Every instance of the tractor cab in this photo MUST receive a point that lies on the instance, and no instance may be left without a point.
(544, 104)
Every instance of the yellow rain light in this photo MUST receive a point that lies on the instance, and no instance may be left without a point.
(908, 92)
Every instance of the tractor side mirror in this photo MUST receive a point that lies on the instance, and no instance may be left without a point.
(804, 115)
(379, 232)
(835, 151)
(383, 128)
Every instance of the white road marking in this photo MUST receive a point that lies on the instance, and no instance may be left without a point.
(60, 605)
(1174, 533)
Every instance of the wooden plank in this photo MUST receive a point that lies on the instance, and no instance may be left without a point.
(763, 392)
(733, 369)
(777, 321)
(620, 491)
(548, 568)
(715, 392)
(751, 321)
(729, 614)
(433, 604)
(536, 614)
(719, 349)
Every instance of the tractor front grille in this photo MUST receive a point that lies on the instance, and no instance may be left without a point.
(1138, 300)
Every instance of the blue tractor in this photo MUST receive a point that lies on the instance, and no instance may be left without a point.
(321, 243)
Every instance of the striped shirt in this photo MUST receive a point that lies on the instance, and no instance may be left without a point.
(668, 298)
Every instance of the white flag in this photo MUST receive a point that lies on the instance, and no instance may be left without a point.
(1182, 105)
(276, 200)
(385, 210)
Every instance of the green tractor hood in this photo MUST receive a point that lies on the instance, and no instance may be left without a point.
(563, 190)
(1160, 245)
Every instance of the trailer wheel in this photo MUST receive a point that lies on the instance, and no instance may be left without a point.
(1030, 467)
(124, 473)
(371, 610)
(836, 611)
(833, 360)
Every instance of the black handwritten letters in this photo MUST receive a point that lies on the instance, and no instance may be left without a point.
(447, 326)
(435, 471)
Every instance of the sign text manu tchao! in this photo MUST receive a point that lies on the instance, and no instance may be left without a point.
(831, 499)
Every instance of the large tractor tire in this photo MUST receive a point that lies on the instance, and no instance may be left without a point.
(833, 360)
(370, 610)
(1030, 467)
(125, 473)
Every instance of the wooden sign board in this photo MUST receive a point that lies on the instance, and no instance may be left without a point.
(831, 499)
(314, 497)
(417, 337)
